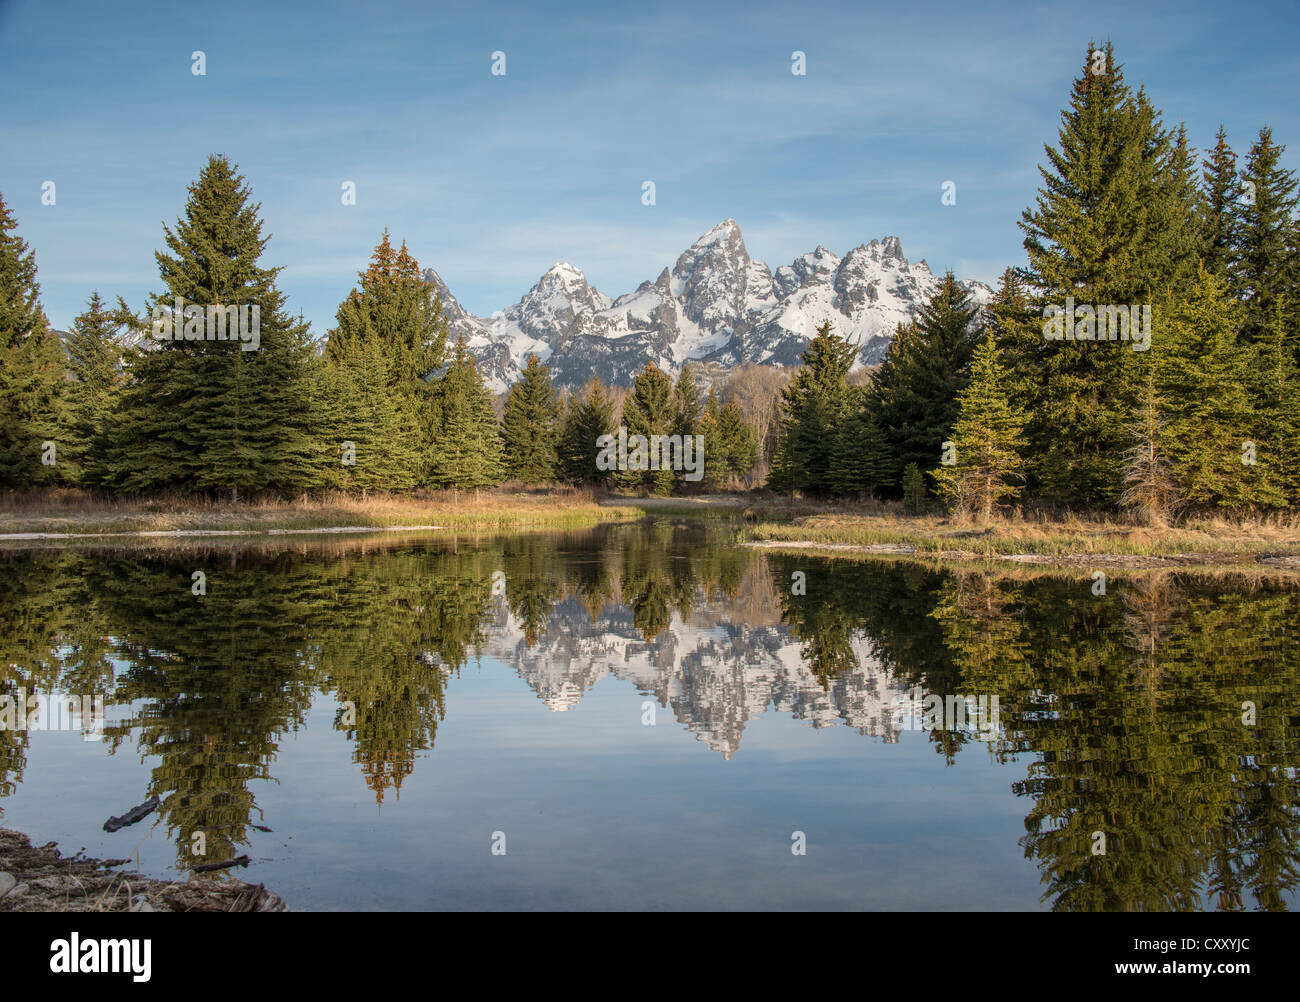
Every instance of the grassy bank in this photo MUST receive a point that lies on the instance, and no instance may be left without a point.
(1041, 539)
(70, 512)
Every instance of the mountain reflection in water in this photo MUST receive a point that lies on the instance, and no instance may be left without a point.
(1161, 714)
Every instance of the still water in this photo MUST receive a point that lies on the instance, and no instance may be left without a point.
(649, 716)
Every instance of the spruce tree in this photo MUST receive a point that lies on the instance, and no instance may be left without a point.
(467, 449)
(1221, 199)
(730, 442)
(812, 406)
(739, 440)
(988, 439)
(529, 427)
(588, 416)
(208, 415)
(1277, 403)
(1266, 261)
(401, 314)
(32, 368)
(1150, 492)
(649, 410)
(859, 463)
(369, 439)
(914, 393)
(1212, 433)
(94, 363)
(1111, 226)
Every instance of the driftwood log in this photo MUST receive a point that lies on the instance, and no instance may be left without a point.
(133, 815)
(229, 896)
(224, 864)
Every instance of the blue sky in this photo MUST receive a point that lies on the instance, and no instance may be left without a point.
(491, 179)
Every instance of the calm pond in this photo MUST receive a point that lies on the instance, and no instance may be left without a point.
(649, 716)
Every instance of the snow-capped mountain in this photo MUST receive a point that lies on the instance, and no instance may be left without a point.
(716, 304)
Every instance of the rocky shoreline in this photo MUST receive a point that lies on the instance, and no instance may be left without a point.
(41, 879)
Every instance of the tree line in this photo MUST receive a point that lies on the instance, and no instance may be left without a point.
(981, 407)
(976, 406)
(388, 404)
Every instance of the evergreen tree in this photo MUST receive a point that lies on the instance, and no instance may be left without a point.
(94, 362)
(1221, 199)
(394, 309)
(32, 367)
(1277, 404)
(1201, 376)
(812, 406)
(914, 393)
(730, 442)
(686, 402)
(913, 484)
(369, 439)
(587, 417)
(208, 415)
(987, 435)
(1150, 492)
(529, 429)
(1267, 261)
(859, 463)
(467, 450)
(649, 410)
(1112, 225)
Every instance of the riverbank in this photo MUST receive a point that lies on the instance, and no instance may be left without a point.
(72, 514)
(1067, 541)
(41, 879)
(769, 522)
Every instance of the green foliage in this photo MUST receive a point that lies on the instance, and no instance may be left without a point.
(913, 394)
(467, 450)
(730, 442)
(208, 415)
(1221, 200)
(530, 426)
(94, 363)
(650, 409)
(32, 366)
(988, 440)
(1267, 261)
(389, 339)
(812, 407)
(859, 461)
(913, 483)
(1202, 374)
(589, 416)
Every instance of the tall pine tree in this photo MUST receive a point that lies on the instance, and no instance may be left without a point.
(988, 440)
(529, 428)
(208, 415)
(32, 367)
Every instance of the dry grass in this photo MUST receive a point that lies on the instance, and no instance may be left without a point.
(75, 512)
(1276, 536)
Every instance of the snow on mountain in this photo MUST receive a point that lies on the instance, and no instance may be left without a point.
(717, 304)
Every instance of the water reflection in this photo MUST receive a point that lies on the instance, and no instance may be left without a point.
(1161, 715)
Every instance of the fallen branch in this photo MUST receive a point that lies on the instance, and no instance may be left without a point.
(135, 814)
(207, 867)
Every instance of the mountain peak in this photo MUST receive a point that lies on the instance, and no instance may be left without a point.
(715, 305)
(724, 232)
